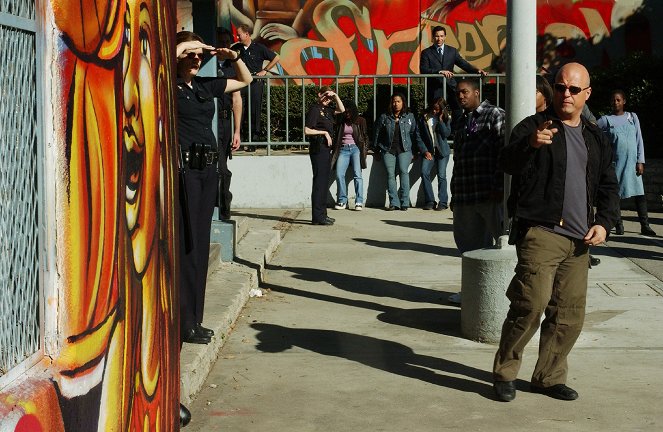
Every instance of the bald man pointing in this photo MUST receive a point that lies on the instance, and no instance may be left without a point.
(561, 164)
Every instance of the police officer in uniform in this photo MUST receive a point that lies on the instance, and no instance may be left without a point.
(195, 109)
(228, 107)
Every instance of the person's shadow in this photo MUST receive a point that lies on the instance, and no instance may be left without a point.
(377, 353)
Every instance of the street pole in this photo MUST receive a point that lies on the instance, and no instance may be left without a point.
(520, 69)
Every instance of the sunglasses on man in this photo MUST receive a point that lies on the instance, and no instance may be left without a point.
(574, 90)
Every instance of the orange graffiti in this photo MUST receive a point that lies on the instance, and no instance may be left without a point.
(119, 314)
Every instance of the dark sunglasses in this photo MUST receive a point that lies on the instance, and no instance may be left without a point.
(193, 55)
(574, 90)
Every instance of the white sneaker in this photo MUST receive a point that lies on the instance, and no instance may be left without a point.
(340, 206)
(454, 298)
(359, 207)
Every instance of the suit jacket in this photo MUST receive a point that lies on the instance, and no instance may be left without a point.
(431, 63)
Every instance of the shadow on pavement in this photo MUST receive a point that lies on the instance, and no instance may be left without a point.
(380, 354)
(634, 253)
(417, 247)
(426, 226)
(283, 218)
(442, 320)
(366, 285)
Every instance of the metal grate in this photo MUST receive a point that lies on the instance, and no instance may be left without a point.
(20, 8)
(19, 247)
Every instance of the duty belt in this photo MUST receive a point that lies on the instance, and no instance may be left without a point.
(200, 156)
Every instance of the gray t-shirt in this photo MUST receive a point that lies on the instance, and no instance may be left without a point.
(574, 210)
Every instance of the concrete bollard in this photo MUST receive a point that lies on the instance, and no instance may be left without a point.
(486, 274)
(223, 232)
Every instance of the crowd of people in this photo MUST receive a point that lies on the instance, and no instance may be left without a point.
(564, 196)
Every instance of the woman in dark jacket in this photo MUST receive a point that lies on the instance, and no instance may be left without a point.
(395, 134)
(435, 127)
(350, 147)
(319, 128)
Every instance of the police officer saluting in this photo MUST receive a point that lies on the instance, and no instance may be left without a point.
(195, 109)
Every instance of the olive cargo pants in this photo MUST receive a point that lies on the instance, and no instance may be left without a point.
(551, 278)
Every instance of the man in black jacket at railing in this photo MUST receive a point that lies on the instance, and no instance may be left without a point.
(440, 59)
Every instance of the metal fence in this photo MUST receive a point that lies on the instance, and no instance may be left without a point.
(20, 336)
(286, 99)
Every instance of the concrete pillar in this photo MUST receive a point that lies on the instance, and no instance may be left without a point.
(521, 68)
(486, 273)
(224, 232)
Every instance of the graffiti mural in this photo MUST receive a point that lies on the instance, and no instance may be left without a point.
(119, 324)
(117, 362)
(350, 37)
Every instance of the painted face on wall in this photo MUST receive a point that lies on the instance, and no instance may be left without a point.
(142, 129)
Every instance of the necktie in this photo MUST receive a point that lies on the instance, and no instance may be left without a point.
(440, 52)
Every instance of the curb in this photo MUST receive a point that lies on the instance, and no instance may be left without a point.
(228, 288)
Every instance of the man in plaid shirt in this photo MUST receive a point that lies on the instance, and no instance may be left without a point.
(477, 186)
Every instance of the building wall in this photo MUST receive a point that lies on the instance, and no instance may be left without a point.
(111, 324)
(348, 37)
(285, 182)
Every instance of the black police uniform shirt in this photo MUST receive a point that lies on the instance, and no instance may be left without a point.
(320, 117)
(254, 55)
(195, 110)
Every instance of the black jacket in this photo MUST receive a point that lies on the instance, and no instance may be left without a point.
(537, 192)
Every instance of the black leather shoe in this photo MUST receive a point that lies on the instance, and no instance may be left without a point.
(593, 261)
(403, 208)
(505, 390)
(428, 206)
(619, 228)
(324, 222)
(191, 336)
(392, 208)
(185, 415)
(203, 331)
(558, 391)
(331, 219)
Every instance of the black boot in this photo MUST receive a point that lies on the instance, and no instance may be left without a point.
(641, 208)
(619, 228)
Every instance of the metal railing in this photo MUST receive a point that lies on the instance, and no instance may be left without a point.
(20, 174)
(289, 134)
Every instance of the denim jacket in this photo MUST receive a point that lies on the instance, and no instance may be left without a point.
(384, 133)
(442, 130)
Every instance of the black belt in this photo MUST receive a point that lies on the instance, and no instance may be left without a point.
(200, 160)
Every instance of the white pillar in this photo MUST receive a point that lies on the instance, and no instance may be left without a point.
(520, 67)
(487, 272)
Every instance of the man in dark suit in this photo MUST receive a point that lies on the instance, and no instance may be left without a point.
(440, 59)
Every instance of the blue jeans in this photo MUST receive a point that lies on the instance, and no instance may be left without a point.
(440, 164)
(347, 154)
(398, 197)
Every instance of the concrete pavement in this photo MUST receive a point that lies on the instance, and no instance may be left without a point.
(354, 333)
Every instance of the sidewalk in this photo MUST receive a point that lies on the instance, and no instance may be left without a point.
(354, 334)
